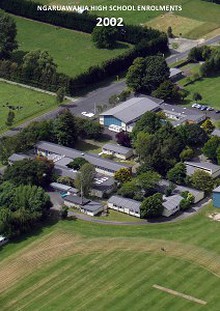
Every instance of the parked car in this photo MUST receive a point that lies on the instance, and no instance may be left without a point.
(210, 109)
(203, 107)
(194, 105)
(217, 111)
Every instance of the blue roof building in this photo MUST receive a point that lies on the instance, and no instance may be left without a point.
(216, 197)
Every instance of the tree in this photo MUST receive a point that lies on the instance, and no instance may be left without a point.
(123, 139)
(184, 204)
(146, 74)
(7, 148)
(168, 91)
(25, 206)
(208, 126)
(30, 172)
(105, 37)
(140, 144)
(85, 178)
(123, 175)
(10, 118)
(131, 190)
(170, 32)
(197, 96)
(38, 66)
(64, 212)
(66, 181)
(77, 163)
(186, 154)
(8, 34)
(60, 95)
(198, 54)
(150, 122)
(192, 135)
(202, 181)
(88, 128)
(177, 174)
(218, 155)
(152, 206)
(147, 181)
(210, 148)
(64, 128)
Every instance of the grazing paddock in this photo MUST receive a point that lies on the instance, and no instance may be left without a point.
(73, 52)
(31, 103)
(76, 265)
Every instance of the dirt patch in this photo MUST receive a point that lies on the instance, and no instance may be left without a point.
(175, 293)
(215, 216)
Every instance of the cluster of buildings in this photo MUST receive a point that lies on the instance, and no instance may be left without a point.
(124, 116)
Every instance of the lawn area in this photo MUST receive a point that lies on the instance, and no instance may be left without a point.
(88, 147)
(73, 51)
(207, 87)
(33, 103)
(76, 265)
(195, 20)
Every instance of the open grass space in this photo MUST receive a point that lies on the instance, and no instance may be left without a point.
(117, 216)
(75, 265)
(73, 52)
(195, 20)
(207, 87)
(32, 103)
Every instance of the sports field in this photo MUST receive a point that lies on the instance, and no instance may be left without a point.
(76, 265)
(73, 52)
(31, 103)
(195, 20)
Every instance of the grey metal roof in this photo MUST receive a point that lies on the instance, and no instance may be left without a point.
(59, 186)
(92, 206)
(73, 153)
(192, 166)
(76, 200)
(174, 72)
(217, 189)
(163, 183)
(172, 202)
(18, 157)
(64, 171)
(132, 205)
(216, 132)
(133, 108)
(117, 148)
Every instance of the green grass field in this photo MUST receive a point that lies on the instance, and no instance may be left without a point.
(34, 103)
(206, 87)
(75, 265)
(73, 52)
(195, 20)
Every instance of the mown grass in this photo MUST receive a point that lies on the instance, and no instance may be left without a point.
(32, 102)
(207, 87)
(73, 52)
(115, 267)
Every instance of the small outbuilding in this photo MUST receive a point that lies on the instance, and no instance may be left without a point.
(84, 205)
(171, 205)
(117, 151)
(216, 197)
(175, 74)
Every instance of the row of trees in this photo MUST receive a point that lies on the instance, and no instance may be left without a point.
(65, 129)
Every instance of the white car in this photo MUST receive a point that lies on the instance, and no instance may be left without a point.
(194, 105)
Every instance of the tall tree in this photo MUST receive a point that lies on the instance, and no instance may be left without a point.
(10, 118)
(105, 37)
(202, 181)
(146, 74)
(140, 144)
(123, 175)
(192, 135)
(152, 206)
(85, 178)
(150, 122)
(64, 127)
(8, 34)
(177, 174)
(211, 146)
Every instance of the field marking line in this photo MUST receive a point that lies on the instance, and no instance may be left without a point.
(173, 292)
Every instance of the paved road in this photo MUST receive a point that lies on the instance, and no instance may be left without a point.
(179, 56)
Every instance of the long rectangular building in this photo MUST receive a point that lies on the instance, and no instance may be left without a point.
(57, 153)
